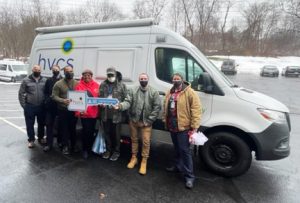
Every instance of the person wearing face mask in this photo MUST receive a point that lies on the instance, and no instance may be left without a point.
(144, 106)
(88, 117)
(182, 116)
(31, 98)
(66, 119)
(112, 87)
(51, 108)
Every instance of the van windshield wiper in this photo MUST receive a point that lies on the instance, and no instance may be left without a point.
(234, 86)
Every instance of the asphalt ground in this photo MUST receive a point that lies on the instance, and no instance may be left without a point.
(30, 175)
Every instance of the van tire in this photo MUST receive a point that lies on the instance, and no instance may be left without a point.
(13, 79)
(226, 154)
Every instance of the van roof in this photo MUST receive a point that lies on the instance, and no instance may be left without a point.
(94, 26)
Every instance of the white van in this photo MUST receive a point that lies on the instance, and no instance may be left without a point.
(12, 70)
(237, 120)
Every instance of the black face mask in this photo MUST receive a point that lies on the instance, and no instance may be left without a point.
(55, 73)
(177, 83)
(143, 83)
(36, 74)
(69, 76)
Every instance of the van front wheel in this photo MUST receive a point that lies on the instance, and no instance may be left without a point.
(226, 154)
(13, 79)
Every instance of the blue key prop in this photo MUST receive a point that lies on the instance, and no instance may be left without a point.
(79, 101)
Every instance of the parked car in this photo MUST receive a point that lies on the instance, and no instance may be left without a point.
(229, 67)
(12, 70)
(291, 71)
(269, 71)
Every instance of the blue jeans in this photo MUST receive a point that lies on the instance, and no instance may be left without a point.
(183, 154)
(31, 112)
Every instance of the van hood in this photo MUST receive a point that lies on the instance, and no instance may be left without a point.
(260, 99)
(21, 72)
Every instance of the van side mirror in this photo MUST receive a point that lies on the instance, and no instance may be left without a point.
(206, 83)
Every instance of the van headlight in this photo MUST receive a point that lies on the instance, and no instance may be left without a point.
(273, 116)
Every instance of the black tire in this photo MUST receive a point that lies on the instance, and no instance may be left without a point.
(226, 154)
(13, 79)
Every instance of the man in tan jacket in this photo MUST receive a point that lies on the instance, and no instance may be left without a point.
(182, 116)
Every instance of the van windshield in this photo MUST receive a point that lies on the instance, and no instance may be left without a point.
(225, 78)
(19, 68)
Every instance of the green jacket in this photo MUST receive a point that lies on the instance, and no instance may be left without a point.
(60, 92)
(119, 92)
(143, 105)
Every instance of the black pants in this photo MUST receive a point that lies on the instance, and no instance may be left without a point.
(67, 121)
(87, 135)
(30, 113)
(112, 135)
(51, 116)
(183, 154)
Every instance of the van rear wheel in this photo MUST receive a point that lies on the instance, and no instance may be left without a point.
(226, 154)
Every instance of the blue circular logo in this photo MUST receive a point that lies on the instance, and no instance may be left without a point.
(67, 46)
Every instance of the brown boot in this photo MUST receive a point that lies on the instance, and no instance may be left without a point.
(143, 168)
(133, 162)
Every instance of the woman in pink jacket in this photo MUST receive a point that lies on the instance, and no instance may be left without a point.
(89, 117)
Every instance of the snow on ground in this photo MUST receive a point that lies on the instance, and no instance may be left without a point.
(250, 64)
(9, 83)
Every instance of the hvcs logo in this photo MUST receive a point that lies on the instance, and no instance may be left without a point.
(66, 48)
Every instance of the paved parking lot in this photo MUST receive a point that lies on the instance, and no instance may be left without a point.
(33, 176)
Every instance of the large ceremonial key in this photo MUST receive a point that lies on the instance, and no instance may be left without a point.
(79, 101)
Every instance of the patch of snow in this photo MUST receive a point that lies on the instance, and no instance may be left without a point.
(249, 64)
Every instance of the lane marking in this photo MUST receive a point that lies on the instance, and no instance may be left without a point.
(13, 125)
(10, 110)
(19, 117)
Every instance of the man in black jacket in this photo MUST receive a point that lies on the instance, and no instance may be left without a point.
(51, 108)
(31, 98)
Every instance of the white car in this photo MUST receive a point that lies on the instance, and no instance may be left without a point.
(12, 70)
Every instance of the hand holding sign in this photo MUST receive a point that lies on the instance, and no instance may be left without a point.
(78, 101)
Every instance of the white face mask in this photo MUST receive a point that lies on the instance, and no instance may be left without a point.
(112, 79)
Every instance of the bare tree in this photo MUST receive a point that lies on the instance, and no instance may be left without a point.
(175, 12)
(189, 14)
(149, 9)
(77, 16)
(206, 10)
(102, 11)
(229, 4)
(255, 17)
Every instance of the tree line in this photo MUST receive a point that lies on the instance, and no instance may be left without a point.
(262, 27)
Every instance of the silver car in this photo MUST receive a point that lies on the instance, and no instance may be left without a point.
(269, 71)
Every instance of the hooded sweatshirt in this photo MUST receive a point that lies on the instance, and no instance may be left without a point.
(92, 89)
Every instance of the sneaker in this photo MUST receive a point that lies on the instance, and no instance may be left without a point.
(115, 156)
(66, 151)
(31, 145)
(47, 148)
(189, 184)
(106, 155)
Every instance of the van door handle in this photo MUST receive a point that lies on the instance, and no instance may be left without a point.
(162, 93)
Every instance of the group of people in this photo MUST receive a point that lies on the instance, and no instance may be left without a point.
(47, 100)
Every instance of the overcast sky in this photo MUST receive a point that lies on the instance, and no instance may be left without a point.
(127, 5)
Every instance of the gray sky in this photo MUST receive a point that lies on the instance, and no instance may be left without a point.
(127, 5)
